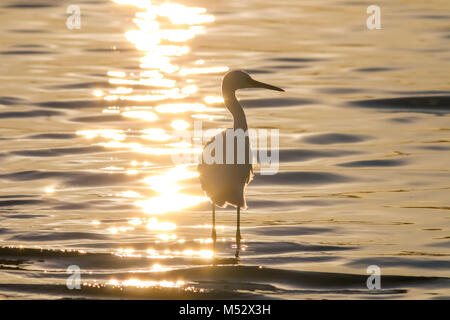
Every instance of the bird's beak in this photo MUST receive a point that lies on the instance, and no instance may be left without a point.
(257, 84)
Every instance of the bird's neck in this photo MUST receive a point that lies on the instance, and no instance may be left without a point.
(232, 104)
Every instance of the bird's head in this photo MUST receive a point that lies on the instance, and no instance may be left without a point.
(238, 79)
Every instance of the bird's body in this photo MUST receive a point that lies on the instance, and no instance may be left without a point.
(226, 165)
(225, 183)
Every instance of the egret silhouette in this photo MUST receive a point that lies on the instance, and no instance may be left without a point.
(226, 166)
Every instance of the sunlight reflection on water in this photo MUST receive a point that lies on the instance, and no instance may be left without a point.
(160, 79)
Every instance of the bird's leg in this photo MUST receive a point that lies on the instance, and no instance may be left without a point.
(213, 234)
(238, 232)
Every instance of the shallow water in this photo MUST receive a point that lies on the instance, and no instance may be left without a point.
(87, 178)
